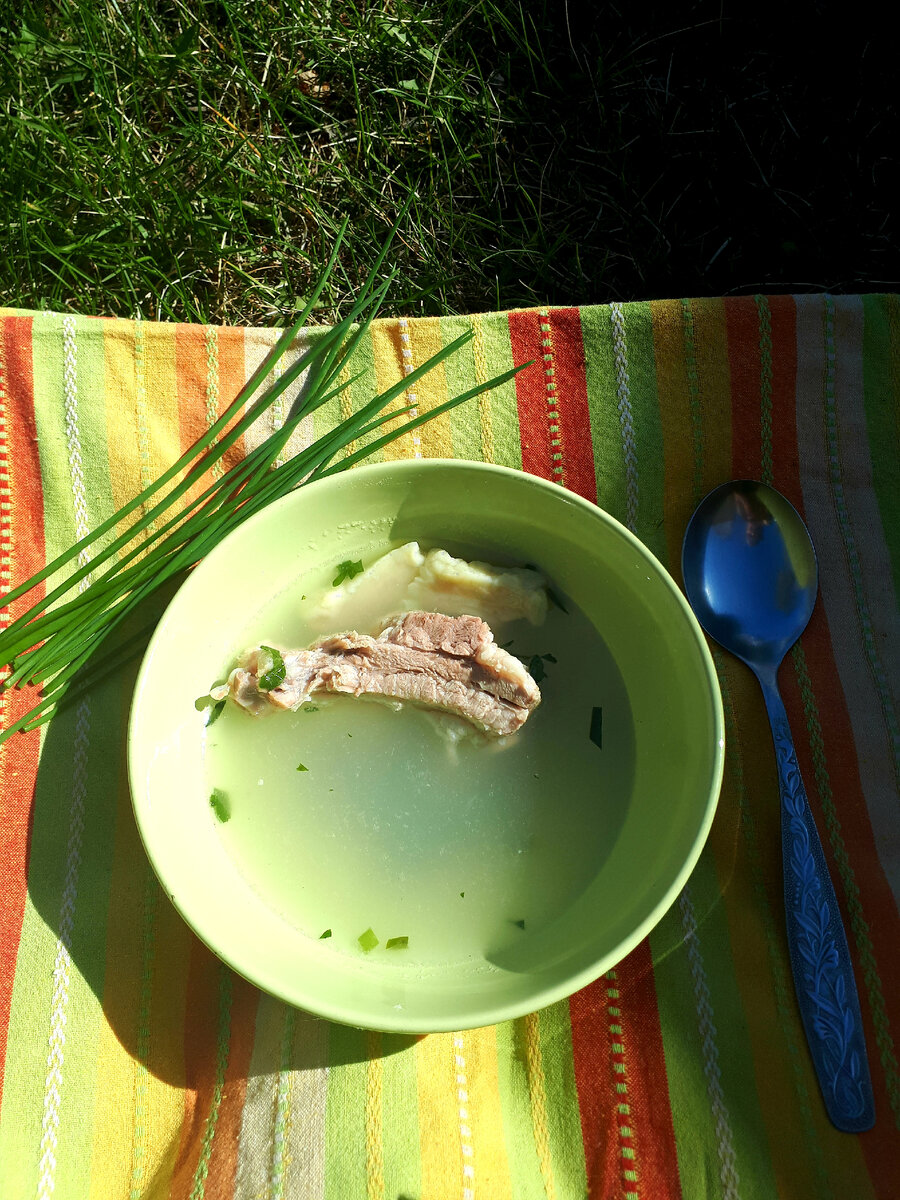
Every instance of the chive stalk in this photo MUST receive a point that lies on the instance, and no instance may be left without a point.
(52, 649)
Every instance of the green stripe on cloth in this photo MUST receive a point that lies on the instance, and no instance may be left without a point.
(492, 337)
(400, 1127)
(647, 428)
(525, 1176)
(563, 1124)
(881, 393)
(600, 372)
(345, 1118)
(469, 432)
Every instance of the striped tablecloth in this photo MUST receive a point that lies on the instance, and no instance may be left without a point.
(134, 1065)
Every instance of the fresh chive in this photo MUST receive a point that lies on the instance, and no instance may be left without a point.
(368, 941)
(396, 943)
(218, 802)
(52, 648)
(347, 570)
(326, 934)
(597, 727)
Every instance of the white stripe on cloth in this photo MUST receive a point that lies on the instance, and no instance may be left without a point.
(54, 1082)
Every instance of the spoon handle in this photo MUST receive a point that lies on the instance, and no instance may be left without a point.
(820, 959)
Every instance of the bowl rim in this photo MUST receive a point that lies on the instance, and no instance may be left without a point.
(487, 1014)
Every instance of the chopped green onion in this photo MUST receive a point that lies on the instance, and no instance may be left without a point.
(218, 802)
(326, 934)
(368, 941)
(347, 570)
(397, 943)
(520, 923)
(536, 668)
(462, 895)
(270, 668)
(302, 768)
(597, 727)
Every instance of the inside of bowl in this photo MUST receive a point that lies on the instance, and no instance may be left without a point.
(673, 713)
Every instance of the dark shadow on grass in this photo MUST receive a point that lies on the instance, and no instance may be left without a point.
(165, 995)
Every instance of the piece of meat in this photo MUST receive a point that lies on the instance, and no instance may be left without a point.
(449, 663)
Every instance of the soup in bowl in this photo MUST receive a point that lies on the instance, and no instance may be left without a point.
(426, 746)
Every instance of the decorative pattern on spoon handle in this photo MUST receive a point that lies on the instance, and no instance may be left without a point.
(820, 958)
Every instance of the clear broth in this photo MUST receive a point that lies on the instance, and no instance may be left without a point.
(391, 827)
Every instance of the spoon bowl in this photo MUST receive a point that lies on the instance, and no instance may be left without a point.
(750, 575)
(750, 571)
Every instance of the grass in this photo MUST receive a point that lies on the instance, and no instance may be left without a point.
(194, 161)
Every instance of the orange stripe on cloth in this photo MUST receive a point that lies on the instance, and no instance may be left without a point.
(742, 325)
(209, 373)
(218, 1036)
(22, 537)
(232, 375)
(223, 1159)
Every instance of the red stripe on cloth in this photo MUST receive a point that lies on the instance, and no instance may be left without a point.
(579, 474)
(25, 544)
(531, 393)
(635, 1098)
(651, 1114)
(551, 394)
(742, 329)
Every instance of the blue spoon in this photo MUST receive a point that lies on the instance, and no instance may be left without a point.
(751, 577)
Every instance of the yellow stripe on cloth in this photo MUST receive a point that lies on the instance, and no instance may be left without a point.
(538, 1093)
(129, 465)
(374, 1118)
(387, 353)
(425, 340)
(460, 1120)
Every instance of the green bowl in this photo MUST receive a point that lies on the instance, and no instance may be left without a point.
(651, 634)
